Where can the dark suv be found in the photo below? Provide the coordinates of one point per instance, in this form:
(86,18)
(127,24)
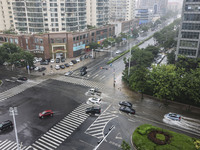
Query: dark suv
(93,110)
(6,125)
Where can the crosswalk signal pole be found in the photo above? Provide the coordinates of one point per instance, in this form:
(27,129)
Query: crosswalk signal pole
(13,112)
(101,141)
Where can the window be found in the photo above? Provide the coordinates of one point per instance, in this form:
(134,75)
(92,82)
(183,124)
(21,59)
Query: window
(190,35)
(16,41)
(92,33)
(77,38)
(191,26)
(26,41)
(74,39)
(187,52)
(188,43)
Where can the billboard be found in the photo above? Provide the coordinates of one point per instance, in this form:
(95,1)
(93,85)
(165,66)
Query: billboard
(76,48)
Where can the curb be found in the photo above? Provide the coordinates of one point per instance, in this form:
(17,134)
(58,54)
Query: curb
(133,143)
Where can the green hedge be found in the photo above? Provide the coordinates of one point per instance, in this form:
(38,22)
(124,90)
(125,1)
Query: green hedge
(125,52)
(178,141)
(0,82)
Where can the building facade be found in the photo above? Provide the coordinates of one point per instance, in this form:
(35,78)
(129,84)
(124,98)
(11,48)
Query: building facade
(33,16)
(144,15)
(56,45)
(6,15)
(189,33)
(97,12)
(121,10)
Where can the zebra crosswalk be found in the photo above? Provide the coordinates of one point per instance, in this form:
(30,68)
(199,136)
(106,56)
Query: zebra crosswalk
(18,89)
(62,130)
(10,145)
(83,82)
(96,129)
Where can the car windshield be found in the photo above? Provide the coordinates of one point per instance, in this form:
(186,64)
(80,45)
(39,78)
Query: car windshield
(43,112)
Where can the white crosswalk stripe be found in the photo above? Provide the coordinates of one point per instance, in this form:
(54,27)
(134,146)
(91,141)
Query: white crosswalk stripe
(96,129)
(18,89)
(10,145)
(62,130)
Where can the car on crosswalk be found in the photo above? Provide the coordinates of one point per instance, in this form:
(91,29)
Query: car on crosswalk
(95,100)
(93,110)
(46,113)
(22,79)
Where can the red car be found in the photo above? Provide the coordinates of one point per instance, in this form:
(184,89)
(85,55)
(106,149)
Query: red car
(46,113)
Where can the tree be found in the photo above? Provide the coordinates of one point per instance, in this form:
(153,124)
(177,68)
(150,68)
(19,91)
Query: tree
(153,49)
(118,40)
(11,48)
(135,33)
(171,57)
(125,145)
(94,45)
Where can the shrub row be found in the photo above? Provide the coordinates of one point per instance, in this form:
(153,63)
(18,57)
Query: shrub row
(125,52)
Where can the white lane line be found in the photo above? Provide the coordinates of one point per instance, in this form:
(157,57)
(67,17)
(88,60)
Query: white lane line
(103,120)
(97,134)
(75,120)
(50,134)
(96,124)
(95,76)
(34,145)
(7,145)
(13,146)
(70,123)
(102,77)
(63,134)
(111,116)
(43,145)
(48,140)
(92,128)
(64,128)
(47,143)
(64,137)
(95,131)
(52,138)
(67,126)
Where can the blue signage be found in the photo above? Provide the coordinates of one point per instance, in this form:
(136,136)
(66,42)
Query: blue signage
(76,48)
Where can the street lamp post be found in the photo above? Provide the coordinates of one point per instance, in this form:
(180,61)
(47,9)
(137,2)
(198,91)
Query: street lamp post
(129,64)
(13,112)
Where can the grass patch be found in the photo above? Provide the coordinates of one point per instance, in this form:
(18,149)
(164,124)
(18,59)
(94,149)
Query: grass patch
(0,82)
(177,142)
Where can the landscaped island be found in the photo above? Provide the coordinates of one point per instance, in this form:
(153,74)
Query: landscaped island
(148,137)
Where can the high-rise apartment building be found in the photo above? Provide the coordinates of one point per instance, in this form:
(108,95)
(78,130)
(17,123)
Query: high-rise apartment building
(189,39)
(6,15)
(32,16)
(122,10)
(97,12)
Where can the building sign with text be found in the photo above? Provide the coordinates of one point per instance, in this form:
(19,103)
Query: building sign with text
(76,48)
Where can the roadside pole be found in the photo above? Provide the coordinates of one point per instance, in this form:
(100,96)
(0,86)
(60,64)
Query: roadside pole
(101,141)
(129,63)
(13,112)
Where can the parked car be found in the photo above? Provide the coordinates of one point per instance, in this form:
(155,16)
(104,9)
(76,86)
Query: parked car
(57,60)
(57,67)
(22,79)
(78,59)
(41,69)
(6,125)
(127,109)
(173,116)
(62,66)
(93,110)
(74,61)
(66,65)
(68,73)
(70,63)
(84,68)
(37,68)
(125,103)
(52,61)
(62,60)
(44,62)
(46,113)
(94,91)
(83,73)
(94,100)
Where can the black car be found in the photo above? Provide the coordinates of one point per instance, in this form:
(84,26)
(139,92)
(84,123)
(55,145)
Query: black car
(66,65)
(127,109)
(93,110)
(125,103)
(57,60)
(83,73)
(6,125)
(83,69)
(62,66)
(74,61)
(22,79)
(62,60)
(41,69)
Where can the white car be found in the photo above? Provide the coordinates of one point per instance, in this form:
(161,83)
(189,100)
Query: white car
(77,59)
(37,68)
(68,73)
(94,100)
(57,67)
(52,61)
(70,63)
(118,52)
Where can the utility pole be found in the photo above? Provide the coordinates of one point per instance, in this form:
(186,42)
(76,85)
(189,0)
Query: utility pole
(129,63)
(114,76)
(101,141)
(13,112)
